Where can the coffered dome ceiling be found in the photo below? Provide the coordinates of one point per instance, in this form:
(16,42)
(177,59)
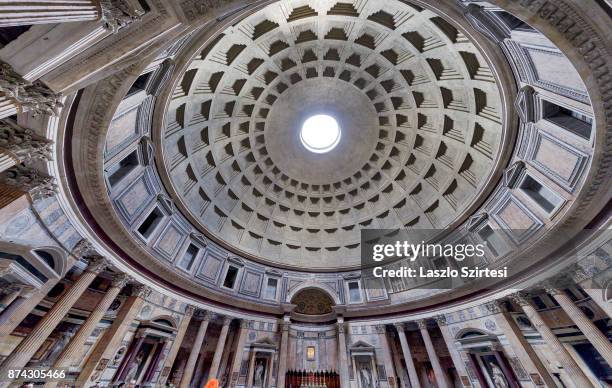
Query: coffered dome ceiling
(418,108)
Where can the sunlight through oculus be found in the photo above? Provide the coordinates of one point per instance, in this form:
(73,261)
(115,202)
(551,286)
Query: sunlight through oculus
(320,133)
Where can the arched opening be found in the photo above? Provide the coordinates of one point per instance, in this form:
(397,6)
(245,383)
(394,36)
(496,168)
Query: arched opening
(313,301)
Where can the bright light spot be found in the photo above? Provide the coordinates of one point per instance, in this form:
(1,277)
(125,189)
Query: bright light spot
(320,134)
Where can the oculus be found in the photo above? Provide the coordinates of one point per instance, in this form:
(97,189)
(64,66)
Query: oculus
(320,133)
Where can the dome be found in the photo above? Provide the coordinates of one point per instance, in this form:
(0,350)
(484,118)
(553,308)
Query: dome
(420,112)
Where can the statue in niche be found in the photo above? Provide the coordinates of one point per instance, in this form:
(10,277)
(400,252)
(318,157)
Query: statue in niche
(259,374)
(132,370)
(498,377)
(366,378)
(59,345)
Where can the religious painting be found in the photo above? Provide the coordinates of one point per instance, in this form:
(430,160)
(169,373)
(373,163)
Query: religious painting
(310,353)
(260,372)
(495,372)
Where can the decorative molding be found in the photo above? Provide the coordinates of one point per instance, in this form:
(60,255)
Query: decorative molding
(513,173)
(120,280)
(24,143)
(117,14)
(28,96)
(39,185)
(141,291)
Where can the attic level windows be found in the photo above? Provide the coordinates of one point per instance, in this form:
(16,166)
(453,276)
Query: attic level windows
(540,194)
(230,277)
(271,287)
(123,168)
(140,84)
(354,292)
(512,22)
(494,241)
(150,223)
(189,257)
(568,119)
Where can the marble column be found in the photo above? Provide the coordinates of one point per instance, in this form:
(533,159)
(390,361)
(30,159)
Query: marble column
(195,351)
(71,355)
(242,337)
(216,362)
(251,373)
(284,350)
(110,341)
(452,349)
(26,12)
(342,354)
(21,307)
(519,344)
(381,330)
(588,328)
(26,348)
(441,377)
(569,365)
(410,367)
(176,345)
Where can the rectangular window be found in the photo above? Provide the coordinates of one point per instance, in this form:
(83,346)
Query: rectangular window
(540,194)
(148,226)
(513,22)
(271,287)
(189,257)
(570,120)
(140,84)
(230,277)
(354,292)
(123,168)
(493,240)
(310,353)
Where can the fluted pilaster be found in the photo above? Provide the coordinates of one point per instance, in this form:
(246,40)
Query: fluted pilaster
(570,366)
(342,354)
(216,362)
(26,348)
(195,351)
(71,355)
(588,328)
(441,377)
(284,349)
(412,373)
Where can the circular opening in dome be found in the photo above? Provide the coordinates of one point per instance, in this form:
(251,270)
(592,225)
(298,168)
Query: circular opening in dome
(320,133)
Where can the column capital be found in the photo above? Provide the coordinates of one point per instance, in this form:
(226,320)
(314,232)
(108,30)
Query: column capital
(83,248)
(285,326)
(23,143)
(422,323)
(440,319)
(552,290)
(227,320)
(96,264)
(521,298)
(141,291)
(400,326)
(494,306)
(246,323)
(27,291)
(39,185)
(341,327)
(205,315)
(26,95)
(189,310)
(117,14)
(120,280)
